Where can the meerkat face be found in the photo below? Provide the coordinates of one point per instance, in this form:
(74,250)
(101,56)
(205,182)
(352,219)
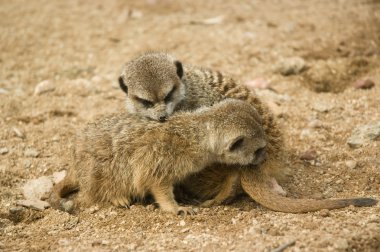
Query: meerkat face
(237,135)
(243,147)
(153,84)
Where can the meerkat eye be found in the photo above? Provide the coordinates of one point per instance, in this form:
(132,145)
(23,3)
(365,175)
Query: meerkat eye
(169,95)
(146,103)
(237,144)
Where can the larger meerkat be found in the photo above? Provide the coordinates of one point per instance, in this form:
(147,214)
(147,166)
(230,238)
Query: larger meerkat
(157,85)
(121,158)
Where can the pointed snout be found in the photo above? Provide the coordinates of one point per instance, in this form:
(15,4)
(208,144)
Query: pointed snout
(160,112)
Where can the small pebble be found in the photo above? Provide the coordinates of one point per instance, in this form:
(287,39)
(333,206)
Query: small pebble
(257,83)
(308,155)
(105,242)
(96,79)
(44,87)
(27,164)
(182,223)
(93,209)
(323,106)
(291,66)
(132,246)
(341,244)
(63,242)
(364,84)
(363,134)
(67,205)
(31,152)
(305,133)
(3,91)
(18,132)
(185,230)
(315,124)
(351,164)
(324,213)
(4,150)
(34,204)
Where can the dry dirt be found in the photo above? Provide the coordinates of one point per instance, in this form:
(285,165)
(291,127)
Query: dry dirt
(79,47)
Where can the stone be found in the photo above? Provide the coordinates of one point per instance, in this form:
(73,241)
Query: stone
(291,66)
(257,83)
(322,106)
(182,223)
(363,84)
(308,155)
(4,150)
(27,163)
(364,134)
(351,164)
(324,213)
(18,132)
(306,133)
(58,176)
(33,204)
(67,205)
(63,242)
(209,21)
(315,124)
(37,188)
(3,91)
(96,79)
(341,244)
(31,152)
(44,87)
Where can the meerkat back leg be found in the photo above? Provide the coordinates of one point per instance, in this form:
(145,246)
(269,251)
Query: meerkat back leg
(164,196)
(226,191)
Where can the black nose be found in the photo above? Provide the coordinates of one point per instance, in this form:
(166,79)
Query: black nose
(260,152)
(163,118)
(260,155)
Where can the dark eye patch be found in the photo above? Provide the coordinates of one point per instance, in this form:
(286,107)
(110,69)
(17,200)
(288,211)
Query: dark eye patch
(169,96)
(237,144)
(145,103)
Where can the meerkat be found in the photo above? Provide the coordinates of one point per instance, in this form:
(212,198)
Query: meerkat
(122,158)
(157,85)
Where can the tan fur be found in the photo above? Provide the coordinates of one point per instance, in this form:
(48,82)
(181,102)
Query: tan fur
(122,158)
(152,75)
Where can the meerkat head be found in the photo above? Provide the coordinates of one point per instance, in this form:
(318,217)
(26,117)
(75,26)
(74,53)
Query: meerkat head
(236,134)
(153,84)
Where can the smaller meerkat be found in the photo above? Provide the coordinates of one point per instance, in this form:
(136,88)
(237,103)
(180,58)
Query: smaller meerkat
(122,158)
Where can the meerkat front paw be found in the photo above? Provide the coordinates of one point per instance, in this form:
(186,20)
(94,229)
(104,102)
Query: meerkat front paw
(209,203)
(277,188)
(121,202)
(185,211)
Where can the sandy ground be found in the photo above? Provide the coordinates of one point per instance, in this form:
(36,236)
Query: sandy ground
(78,47)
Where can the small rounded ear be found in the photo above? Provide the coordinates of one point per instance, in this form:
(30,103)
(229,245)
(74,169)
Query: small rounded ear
(179,67)
(122,85)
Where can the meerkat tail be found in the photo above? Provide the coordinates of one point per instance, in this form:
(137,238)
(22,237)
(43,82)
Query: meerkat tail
(258,187)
